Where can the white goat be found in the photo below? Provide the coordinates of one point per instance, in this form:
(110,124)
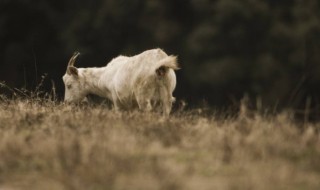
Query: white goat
(145,81)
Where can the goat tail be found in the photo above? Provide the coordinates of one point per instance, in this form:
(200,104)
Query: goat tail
(165,64)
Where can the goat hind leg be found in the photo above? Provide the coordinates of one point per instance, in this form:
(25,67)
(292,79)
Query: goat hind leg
(166,101)
(145,105)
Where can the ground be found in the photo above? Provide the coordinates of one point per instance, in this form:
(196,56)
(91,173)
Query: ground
(46,144)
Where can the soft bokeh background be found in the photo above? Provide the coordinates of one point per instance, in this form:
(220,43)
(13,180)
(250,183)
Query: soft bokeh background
(268,49)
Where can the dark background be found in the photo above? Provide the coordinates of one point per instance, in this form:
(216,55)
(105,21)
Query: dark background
(268,49)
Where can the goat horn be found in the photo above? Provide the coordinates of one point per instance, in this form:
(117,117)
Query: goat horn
(73,58)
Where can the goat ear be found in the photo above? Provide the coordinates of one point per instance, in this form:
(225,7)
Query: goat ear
(72,71)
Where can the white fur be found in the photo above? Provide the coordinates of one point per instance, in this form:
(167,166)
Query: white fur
(129,82)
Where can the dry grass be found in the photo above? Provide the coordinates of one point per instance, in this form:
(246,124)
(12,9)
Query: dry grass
(49,145)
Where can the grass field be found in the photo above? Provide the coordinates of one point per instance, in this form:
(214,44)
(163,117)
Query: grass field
(48,145)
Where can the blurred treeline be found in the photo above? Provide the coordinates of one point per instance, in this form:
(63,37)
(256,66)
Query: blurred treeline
(268,49)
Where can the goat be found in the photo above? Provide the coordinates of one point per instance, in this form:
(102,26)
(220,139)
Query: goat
(145,81)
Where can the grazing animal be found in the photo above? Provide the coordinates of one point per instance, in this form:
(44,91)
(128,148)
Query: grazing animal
(145,81)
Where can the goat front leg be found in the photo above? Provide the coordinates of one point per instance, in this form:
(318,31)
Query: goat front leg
(116,103)
(116,107)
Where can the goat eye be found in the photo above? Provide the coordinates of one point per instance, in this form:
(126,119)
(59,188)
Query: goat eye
(69,86)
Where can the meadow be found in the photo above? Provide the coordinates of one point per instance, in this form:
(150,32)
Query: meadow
(46,144)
